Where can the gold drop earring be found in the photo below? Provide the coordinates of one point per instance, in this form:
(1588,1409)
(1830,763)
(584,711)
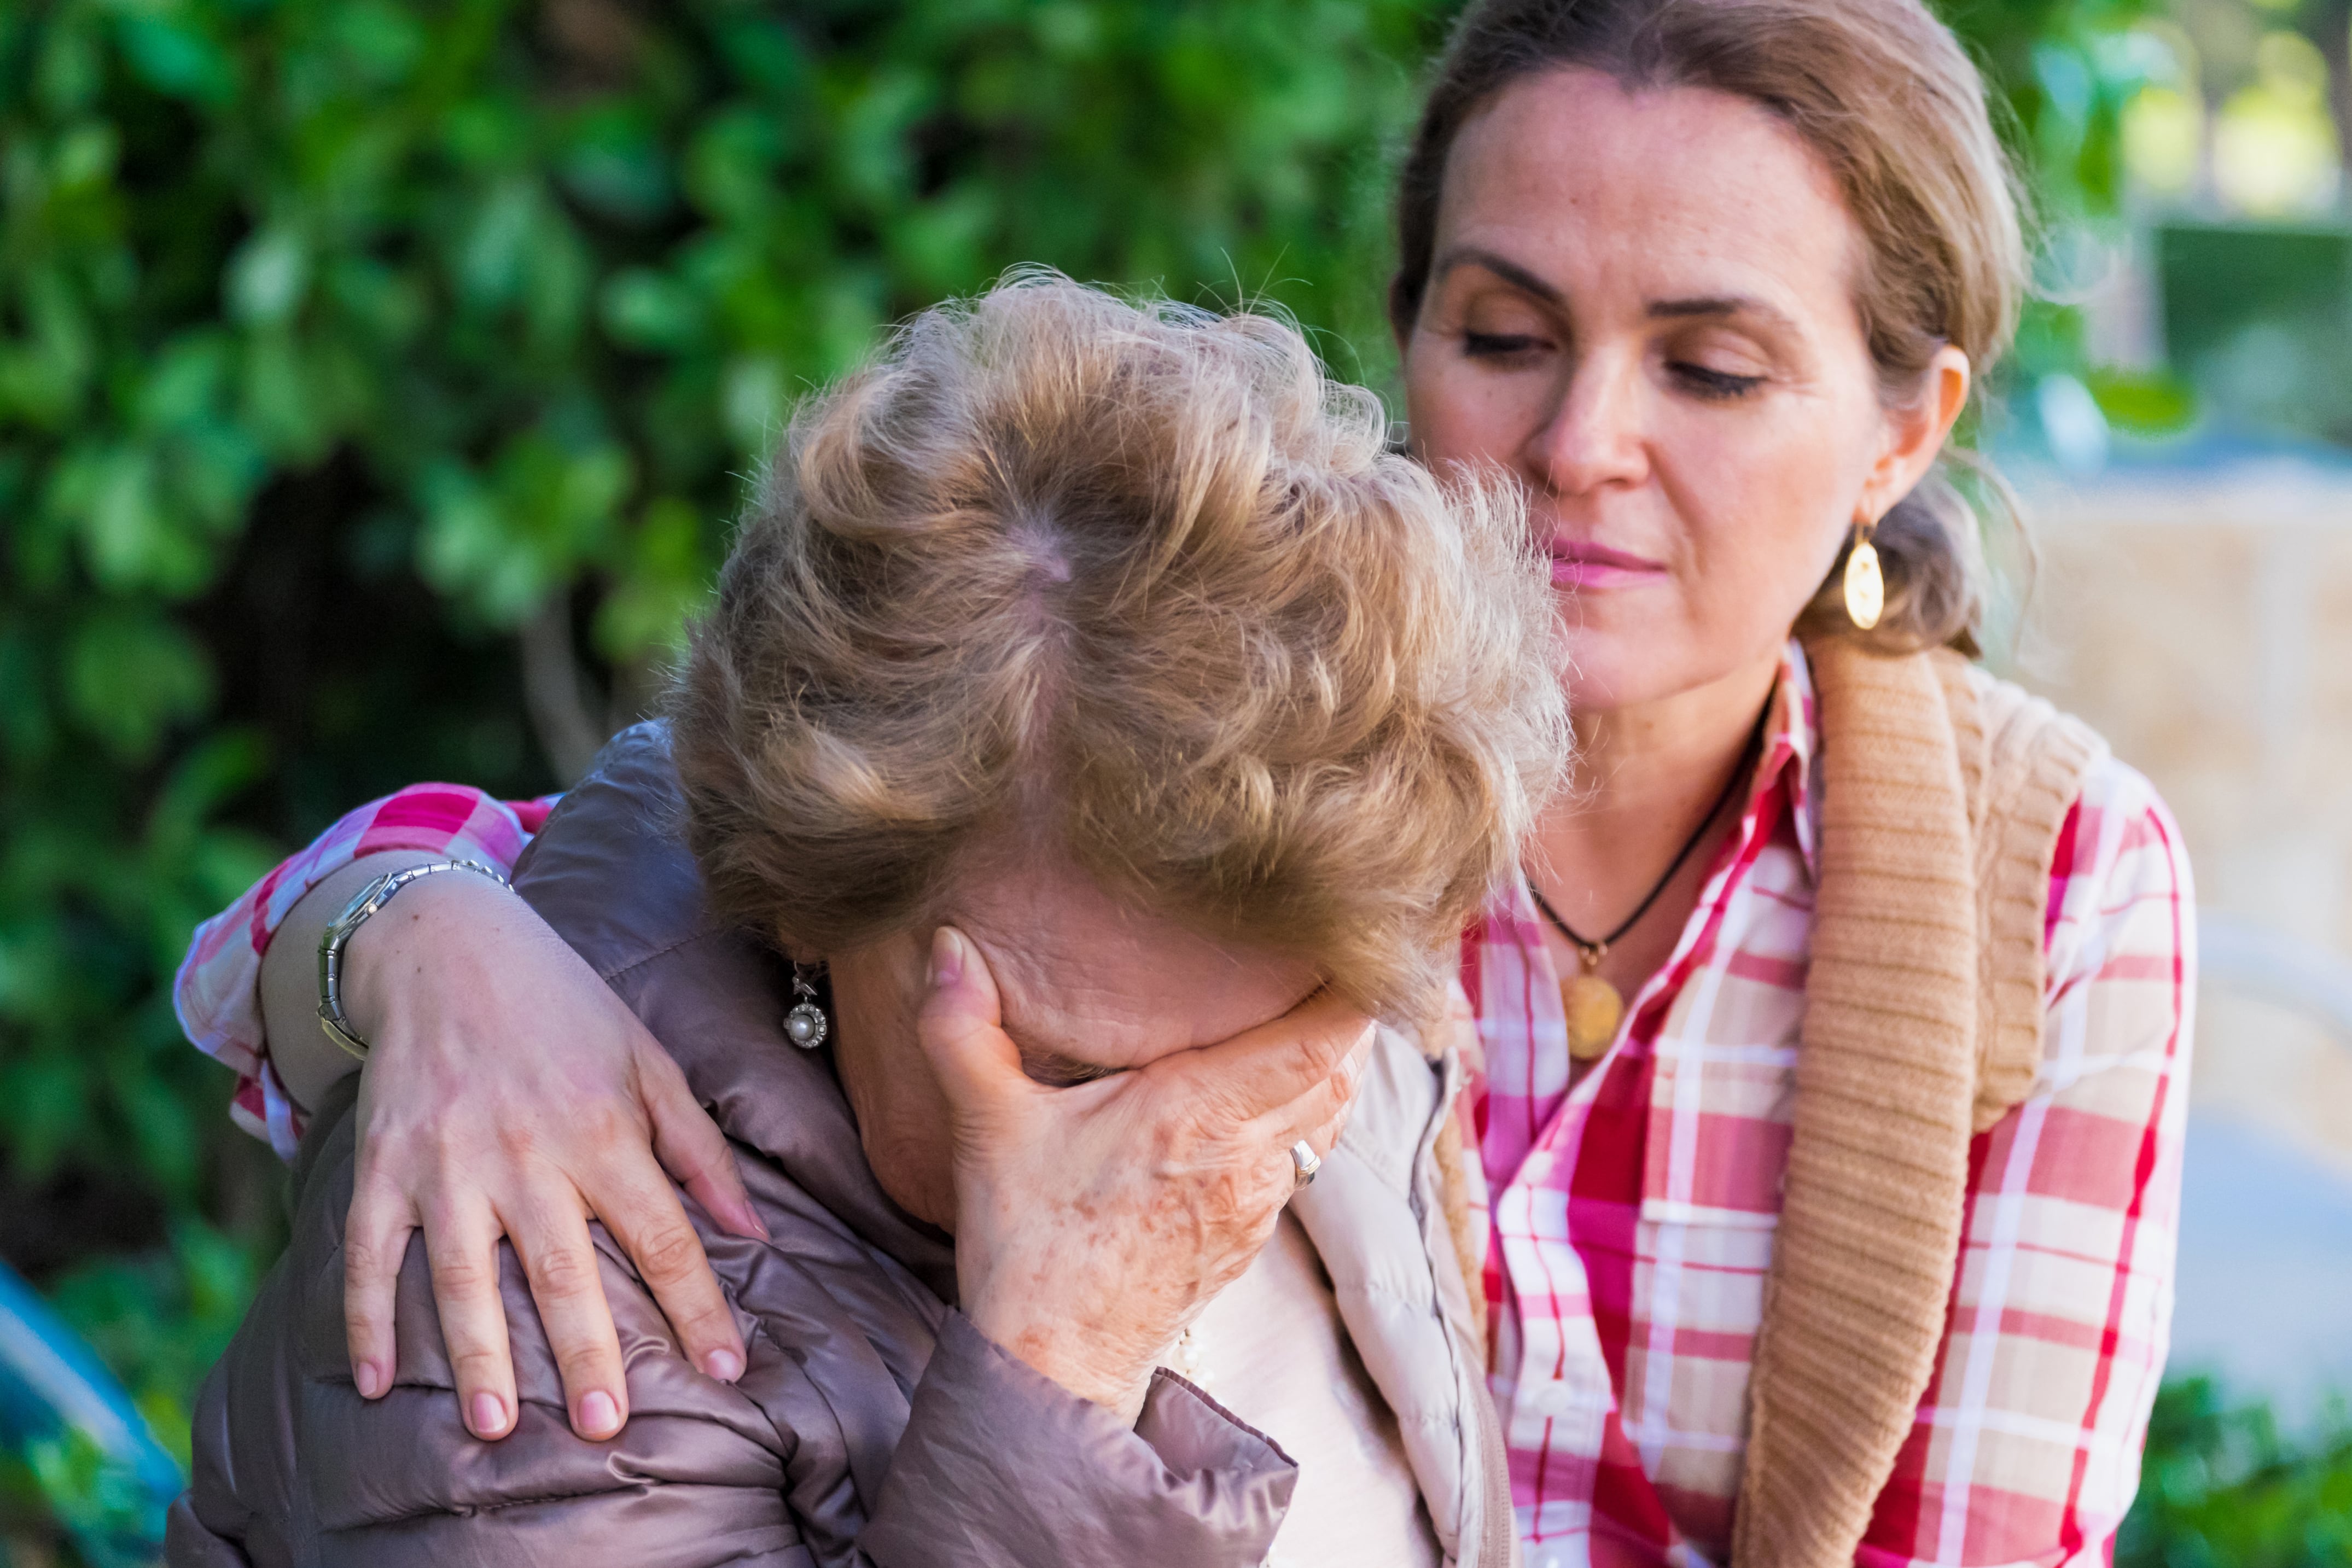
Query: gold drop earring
(1865,583)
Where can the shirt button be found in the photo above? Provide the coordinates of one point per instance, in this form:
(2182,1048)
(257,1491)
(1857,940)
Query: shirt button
(1555,1398)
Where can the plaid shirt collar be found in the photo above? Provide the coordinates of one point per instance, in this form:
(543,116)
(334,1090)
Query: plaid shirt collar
(1791,739)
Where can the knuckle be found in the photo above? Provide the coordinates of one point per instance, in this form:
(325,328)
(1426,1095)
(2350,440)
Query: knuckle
(606,1122)
(395,1143)
(366,1260)
(464,1276)
(1327,1049)
(585,1364)
(477,1366)
(670,1254)
(708,1323)
(656,1070)
(1350,1072)
(1226,1203)
(517,1139)
(445,1213)
(382,1172)
(564,1271)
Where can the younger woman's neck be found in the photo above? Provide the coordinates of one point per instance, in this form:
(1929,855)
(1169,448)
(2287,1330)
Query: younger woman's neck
(1663,759)
(1623,853)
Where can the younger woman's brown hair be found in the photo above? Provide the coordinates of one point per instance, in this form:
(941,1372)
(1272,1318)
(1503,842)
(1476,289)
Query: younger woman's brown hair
(1886,96)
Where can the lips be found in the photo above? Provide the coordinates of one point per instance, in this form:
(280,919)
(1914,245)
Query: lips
(1579,563)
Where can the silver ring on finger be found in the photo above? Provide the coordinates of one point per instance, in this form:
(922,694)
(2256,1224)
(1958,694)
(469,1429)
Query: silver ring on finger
(1304,1163)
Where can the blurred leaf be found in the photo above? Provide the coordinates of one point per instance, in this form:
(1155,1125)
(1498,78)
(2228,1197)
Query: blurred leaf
(44,1110)
(2221,1487)
(616,168)
(172,51)
(667,570)
(643,309)
(2143,404)
(266,278)
(128,677)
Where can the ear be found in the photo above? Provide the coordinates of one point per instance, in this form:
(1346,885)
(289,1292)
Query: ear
(1915,433)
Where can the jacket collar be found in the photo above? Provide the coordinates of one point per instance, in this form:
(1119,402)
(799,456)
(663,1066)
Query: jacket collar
(611,873)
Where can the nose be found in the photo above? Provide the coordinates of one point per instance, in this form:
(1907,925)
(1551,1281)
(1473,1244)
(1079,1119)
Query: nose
(1597,434)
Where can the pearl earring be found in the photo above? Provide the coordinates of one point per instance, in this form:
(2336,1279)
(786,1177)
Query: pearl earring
(805,1026)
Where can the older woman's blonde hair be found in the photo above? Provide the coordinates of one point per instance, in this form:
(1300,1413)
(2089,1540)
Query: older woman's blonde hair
(1139,586)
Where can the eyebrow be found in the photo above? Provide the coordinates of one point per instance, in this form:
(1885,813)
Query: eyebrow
(1717,305)
(1526,282)
(1509,271)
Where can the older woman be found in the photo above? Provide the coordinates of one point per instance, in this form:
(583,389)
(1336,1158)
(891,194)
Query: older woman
(1835,1039)
(1106,729)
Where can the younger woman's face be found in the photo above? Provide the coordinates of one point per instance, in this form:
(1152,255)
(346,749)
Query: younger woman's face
(1642,305)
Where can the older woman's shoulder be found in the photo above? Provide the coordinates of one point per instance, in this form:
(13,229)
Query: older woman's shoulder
(292,1465)
(610,869)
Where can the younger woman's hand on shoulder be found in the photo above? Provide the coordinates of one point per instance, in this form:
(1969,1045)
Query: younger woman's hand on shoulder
(509,1092)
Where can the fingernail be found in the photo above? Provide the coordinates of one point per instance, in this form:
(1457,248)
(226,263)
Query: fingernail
(370,1379)
(946,957)
(722,1364)
(489,1415)
(599,1417)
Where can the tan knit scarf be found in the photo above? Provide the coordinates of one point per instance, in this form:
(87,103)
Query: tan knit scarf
(1943,792)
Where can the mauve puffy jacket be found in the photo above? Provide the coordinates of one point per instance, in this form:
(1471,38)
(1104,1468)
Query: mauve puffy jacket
(874,1425)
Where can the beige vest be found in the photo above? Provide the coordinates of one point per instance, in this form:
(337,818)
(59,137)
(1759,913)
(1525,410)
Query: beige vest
(1943,791)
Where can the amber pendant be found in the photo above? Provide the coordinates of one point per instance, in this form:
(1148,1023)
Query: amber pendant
(1865,585)
(1594,1010)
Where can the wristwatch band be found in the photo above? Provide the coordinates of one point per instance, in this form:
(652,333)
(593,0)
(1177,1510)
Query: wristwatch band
(369,899)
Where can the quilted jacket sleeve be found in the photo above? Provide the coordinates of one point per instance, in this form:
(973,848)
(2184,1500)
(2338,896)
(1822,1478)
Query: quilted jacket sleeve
(872,1427)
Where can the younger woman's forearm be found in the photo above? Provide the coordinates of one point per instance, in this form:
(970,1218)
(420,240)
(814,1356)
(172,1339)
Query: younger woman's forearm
(308,1062)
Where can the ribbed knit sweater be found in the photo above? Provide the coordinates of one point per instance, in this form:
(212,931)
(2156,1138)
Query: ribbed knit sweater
(1943,793)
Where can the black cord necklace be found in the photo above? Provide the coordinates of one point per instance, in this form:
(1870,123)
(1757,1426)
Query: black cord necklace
(1594,1006)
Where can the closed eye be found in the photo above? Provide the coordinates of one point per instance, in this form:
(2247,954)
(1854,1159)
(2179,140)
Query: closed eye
(1717,385)
(1497,345)
(1055,1070)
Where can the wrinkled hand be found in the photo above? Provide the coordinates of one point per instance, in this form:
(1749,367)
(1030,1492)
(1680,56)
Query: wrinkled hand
(1094,1222)
(509,1093)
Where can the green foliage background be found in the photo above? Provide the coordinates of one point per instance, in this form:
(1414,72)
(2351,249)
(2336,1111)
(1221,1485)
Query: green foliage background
(367,365)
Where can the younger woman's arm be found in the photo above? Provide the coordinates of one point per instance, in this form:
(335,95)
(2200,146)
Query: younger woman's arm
(507,1094)
(217,993)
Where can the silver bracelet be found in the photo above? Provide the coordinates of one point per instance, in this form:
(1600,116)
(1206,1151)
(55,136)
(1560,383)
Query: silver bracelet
(370,899)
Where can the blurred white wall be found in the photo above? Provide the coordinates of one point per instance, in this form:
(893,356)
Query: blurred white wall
(2198,611)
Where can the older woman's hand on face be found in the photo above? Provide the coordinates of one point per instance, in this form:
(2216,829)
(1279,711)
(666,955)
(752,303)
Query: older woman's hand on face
(1093,1221)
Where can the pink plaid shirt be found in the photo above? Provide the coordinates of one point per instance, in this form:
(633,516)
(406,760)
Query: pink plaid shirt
(1631,1221)
(218,991)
